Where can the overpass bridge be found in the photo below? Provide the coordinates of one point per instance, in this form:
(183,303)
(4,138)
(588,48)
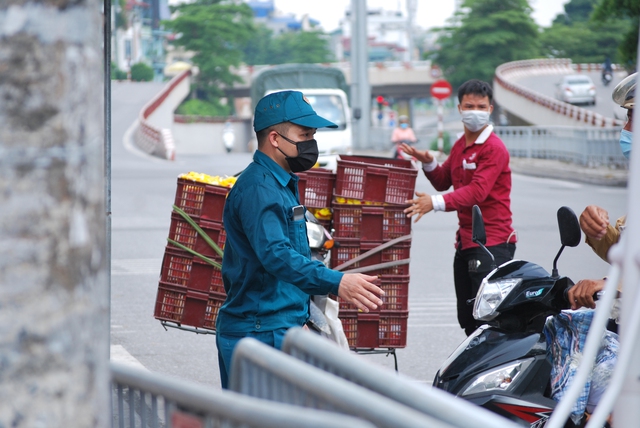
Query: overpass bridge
(525,89)
(396,79)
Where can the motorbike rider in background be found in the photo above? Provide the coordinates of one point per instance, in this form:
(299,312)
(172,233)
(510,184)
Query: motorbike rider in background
(402,134)
(607,71)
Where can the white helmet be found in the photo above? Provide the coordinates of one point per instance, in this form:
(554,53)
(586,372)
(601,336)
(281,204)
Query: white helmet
(624,94)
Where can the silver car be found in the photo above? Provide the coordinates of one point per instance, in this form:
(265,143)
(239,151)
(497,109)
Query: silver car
(576,89)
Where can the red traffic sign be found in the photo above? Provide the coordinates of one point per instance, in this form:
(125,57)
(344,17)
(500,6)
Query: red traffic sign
(441,89)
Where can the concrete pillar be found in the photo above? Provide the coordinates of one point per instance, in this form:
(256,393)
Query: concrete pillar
(54,306)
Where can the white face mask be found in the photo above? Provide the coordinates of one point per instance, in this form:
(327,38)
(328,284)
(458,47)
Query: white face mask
(475,120)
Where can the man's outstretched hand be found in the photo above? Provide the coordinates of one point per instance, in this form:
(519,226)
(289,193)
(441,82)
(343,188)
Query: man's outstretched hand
(424,157)
(359,290)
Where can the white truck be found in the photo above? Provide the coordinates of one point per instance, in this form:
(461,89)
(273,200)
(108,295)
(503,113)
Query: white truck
(326,89)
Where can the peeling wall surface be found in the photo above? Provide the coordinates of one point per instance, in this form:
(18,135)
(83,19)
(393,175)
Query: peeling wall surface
(54,303)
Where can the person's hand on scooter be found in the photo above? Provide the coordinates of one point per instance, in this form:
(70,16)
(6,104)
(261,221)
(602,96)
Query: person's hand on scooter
(594,222)
(424,157)
(582,293)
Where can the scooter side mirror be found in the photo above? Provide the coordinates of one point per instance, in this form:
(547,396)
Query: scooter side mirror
(479,235)
(569,227)
(570,233)
(478,232)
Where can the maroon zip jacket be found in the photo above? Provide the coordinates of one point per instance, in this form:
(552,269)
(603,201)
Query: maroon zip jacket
(480,175)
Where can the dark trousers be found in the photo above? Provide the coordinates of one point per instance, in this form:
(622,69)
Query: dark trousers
(470,266)
(227,343)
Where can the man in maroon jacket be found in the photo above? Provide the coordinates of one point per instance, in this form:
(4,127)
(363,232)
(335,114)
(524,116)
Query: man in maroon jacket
(478,169)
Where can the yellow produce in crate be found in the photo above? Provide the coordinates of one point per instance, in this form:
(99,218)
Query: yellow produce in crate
(322,213)
(348,201)
(209,179)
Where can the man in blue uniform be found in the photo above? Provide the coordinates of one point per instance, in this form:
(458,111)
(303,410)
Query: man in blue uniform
(267,270)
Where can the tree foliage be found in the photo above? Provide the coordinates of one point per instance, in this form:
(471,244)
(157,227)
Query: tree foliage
(216,30)
(196,107)
(616,10)
(300,47)
(489,33)
(141,72)
(573,35)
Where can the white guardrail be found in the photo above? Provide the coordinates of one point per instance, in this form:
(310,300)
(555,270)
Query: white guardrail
(150,138)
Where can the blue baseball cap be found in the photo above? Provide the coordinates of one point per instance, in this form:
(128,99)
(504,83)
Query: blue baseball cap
(287,106)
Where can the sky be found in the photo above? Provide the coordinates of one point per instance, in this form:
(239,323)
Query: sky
(430,13)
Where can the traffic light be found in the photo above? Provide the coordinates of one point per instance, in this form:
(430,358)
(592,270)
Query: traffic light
(380,100)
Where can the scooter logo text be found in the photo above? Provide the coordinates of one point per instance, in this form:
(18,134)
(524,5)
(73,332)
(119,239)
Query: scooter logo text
(530,294)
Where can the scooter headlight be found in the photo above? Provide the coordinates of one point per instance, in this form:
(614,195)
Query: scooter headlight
(501,379)
(490,295)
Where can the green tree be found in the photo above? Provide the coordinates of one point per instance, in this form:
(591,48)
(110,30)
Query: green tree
(616,10)
(259,48)
(306,47)
(576,11)
(489,33)
(116,73)
(141,72)
(583,42)
(216,30)
(574,35)
(196,107)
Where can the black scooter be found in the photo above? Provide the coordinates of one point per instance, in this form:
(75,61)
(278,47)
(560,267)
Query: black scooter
(503,365)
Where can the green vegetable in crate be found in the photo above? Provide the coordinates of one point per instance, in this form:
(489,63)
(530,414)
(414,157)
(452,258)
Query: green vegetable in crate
(204,236)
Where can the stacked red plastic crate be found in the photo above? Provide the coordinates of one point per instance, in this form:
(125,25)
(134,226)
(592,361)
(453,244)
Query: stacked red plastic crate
(315,189)
(190,290)
(368,210)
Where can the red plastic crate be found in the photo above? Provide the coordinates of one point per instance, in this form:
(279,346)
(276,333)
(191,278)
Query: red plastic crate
(182,232)
(386,329)
(370,222)
(180,305)
(316,187)
(201,200)
(216,286)
(350,248)
(187,307)
(396,294)
(375,179)
(211,313)
(182,269)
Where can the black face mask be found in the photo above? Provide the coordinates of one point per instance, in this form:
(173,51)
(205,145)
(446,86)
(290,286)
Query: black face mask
(307,155)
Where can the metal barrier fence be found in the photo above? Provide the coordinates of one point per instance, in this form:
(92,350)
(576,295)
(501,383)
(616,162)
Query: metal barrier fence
(321,353)
(583,146)
(588,146)
(261,371)
(144,399)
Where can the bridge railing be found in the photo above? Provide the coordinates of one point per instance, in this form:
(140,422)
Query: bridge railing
(584,146)
(151,139)
(506,73)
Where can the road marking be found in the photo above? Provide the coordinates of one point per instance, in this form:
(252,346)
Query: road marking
(120,355)
(136,267)
(433,325)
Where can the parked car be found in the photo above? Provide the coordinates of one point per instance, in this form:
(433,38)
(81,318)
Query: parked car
(576,89)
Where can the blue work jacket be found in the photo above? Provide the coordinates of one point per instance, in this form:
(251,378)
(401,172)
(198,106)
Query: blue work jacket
(267,270)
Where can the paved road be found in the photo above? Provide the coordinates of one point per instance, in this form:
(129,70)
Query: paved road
(143,190)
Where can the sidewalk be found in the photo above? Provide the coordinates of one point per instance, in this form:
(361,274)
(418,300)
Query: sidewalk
(546,168)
